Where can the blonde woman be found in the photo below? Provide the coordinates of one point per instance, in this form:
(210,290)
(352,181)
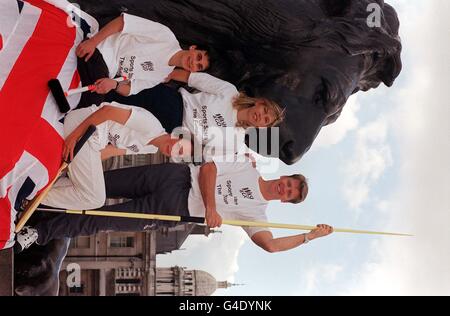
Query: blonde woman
(215,105)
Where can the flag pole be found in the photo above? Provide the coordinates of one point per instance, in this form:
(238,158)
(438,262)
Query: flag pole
(202,220)
(40,197)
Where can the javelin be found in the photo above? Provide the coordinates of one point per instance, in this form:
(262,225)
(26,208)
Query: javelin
(202,220)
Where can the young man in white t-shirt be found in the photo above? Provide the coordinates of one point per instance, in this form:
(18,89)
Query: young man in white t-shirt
(144,51)
(121,129)
(215,190)
(237,191)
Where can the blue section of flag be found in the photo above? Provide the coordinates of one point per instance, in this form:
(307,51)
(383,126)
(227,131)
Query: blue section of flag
(85,27)
(20,5)
(26,189)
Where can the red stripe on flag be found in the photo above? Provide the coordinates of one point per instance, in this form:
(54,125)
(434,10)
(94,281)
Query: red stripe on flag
(24,93)
(46,146)
(5,219)
(43,5)
(75,80)
(1,41)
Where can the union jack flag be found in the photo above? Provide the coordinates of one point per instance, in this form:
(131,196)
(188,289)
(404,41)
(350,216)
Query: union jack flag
(38,39)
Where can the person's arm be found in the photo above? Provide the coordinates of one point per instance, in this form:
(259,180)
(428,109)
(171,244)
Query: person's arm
(207,183)
(135,86)
(111,151)
(105,85)
(87,48)
(265,240)
(178,74)
(203,82)
(124,88)
(106,113)
(206,83)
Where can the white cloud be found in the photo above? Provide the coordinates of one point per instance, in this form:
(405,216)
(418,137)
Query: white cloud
(216,254)
(421,203)
(336,132)
(318,275)
(371,157)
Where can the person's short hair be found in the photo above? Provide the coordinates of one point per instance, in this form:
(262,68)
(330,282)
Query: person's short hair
(209,53)
(243,101)
(303,188)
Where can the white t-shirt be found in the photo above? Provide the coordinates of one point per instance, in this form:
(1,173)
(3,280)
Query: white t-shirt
(140,128)
(141,52)
(209,114)
(238,196)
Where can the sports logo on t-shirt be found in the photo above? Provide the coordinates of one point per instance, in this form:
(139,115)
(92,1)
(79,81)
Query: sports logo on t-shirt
(133,148)
(147,66)
(113,139)
(247,193)
(220,121)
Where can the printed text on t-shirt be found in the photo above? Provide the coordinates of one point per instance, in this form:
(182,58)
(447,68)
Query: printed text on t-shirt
(126,66)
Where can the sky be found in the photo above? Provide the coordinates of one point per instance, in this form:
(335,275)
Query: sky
(382,166)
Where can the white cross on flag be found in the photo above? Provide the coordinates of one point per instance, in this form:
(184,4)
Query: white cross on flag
(37,43)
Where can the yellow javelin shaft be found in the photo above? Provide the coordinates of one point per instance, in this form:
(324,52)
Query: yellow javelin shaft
(227,222)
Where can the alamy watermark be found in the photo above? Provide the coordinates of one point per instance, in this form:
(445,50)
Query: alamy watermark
(374,18)
(73,275)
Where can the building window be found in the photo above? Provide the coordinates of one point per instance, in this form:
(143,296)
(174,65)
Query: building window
(128,281)
(168,281)
(128,294)
(121,242)
(82,242)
